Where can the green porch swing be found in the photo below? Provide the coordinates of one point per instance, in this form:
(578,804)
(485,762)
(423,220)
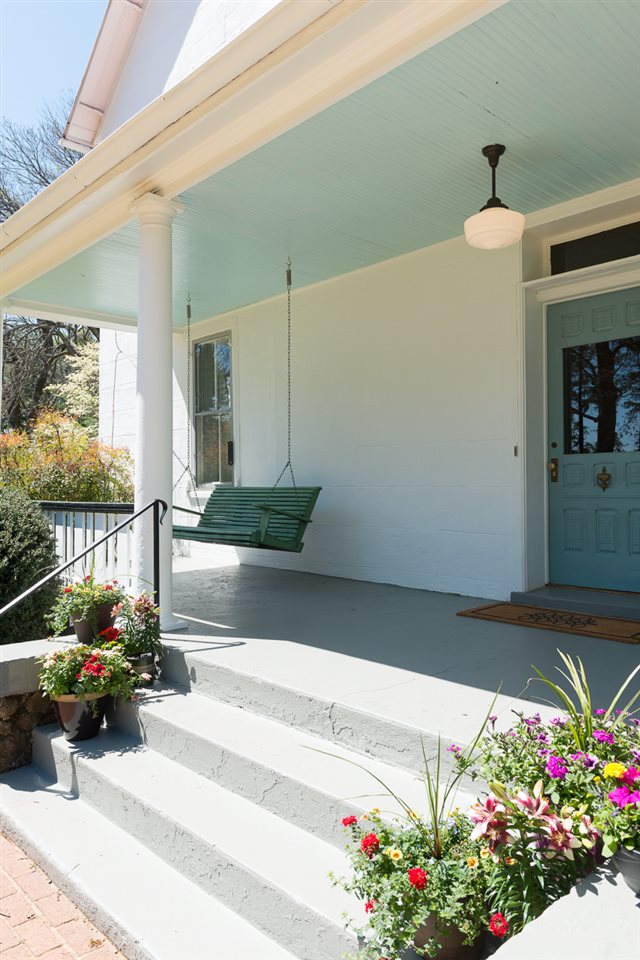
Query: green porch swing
(269,518)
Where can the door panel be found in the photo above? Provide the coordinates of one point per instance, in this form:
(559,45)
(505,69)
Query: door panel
(594,441)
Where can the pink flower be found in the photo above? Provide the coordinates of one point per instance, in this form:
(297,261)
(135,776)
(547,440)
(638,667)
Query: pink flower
(560,839)
(621,796)
(490,820)
(634,797)
(369,906)
(588,831)
(556,768)
(535,806)
(631,775)
(603,736)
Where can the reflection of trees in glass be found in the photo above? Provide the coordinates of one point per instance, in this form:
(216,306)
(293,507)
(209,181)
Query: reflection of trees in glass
(603,394)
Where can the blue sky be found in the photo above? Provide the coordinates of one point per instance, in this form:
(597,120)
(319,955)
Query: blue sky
(44,48)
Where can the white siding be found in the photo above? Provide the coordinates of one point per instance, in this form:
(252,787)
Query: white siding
(406,409)
(174,38)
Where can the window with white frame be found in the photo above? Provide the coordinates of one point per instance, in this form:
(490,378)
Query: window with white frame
(213,410)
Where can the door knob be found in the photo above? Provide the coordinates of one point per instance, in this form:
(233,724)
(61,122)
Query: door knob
(552,467)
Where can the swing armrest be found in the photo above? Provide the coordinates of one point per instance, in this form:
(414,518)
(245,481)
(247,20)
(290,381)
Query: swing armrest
(196,513)
(285,513)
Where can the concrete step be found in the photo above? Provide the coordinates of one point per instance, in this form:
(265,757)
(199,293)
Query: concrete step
(277,766)
(269,871)
(369,708)
(148,909)
(602,603)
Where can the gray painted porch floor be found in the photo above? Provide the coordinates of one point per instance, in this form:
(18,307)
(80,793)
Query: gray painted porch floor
(281,621)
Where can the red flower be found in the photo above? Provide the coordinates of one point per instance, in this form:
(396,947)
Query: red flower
(78,676)
(349,821)
(87,578)
(110,634)
(68,589)
(417,878)
(498,925)
(369,906)
(108,586)
(369,845)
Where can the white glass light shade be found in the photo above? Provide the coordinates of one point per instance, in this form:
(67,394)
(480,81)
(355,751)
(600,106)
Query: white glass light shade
(493,228)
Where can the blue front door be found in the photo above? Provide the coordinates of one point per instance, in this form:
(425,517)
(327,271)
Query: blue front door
(594,441)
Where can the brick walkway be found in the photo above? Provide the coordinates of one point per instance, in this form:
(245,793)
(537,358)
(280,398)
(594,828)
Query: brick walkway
(37,920)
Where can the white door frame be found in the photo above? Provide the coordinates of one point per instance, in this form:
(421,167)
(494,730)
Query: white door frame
(536,296)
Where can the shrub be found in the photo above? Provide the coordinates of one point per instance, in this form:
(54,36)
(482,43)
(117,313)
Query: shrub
(27,552)
(57,460)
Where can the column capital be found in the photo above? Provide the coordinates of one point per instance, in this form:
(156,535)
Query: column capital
(152,208)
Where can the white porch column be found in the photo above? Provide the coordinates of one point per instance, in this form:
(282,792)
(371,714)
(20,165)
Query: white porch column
(154,392)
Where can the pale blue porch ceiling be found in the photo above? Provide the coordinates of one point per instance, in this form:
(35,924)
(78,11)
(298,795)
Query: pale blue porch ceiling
(397,165)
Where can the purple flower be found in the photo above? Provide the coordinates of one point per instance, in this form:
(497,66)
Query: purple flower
(543,738)
(556,768)
(576,757)
(544,752)
(558,721)
(533,721)
(600,712)
(590,761)
(454,749)
(492,719)
(603,736)
(634,797)
(636,755)
(634,720)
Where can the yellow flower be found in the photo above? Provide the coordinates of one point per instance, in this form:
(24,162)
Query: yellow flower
(614,770)
(509,861)
(472,862)
(375,810)
(394,854)
(485,852)
(597,779)
(412,814)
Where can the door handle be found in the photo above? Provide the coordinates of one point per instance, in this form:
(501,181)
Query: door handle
(552,467)
(230,453)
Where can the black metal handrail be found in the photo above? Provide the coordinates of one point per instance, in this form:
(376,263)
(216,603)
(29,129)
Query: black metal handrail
(61,506)
(157,520)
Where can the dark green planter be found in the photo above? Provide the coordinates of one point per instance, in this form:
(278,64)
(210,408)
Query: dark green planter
(144,663)
(87,630)
(628,863)
(80,719)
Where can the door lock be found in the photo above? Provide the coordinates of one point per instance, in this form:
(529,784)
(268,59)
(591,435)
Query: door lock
(552,467)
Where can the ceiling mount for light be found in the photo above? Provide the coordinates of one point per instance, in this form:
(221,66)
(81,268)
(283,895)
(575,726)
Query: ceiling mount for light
(495,226)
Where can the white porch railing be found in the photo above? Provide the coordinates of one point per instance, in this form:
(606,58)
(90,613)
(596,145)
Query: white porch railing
(77,525)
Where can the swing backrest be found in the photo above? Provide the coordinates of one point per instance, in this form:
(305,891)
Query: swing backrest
(258,507)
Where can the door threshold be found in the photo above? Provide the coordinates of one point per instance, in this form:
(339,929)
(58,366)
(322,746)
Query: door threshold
(603,603)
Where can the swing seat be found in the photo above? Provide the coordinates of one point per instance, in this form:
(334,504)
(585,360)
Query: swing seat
(271,519)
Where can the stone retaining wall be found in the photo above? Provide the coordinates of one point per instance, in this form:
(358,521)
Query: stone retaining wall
(19,714)
(22,706)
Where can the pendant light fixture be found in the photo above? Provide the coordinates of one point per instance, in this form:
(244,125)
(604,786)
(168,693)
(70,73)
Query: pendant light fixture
(495,226)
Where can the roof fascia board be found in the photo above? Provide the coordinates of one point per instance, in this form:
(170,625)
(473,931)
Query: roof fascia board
(115,36)
(191,133)
(17,306)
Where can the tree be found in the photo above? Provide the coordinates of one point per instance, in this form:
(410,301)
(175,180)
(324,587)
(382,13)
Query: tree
(78,395)
(37,352)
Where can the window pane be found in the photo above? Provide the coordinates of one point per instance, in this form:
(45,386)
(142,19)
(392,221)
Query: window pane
(207,449)
(205,392)
(226,435)
(602,396)
(223,369)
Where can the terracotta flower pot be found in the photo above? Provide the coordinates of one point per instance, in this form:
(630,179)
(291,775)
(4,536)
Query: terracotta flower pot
(80,719)
(88,630)
(144,663)
(628,863)
(451,939)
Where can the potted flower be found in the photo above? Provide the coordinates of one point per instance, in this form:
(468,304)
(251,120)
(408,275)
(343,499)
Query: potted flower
(619,819)
(88,605)
(137,633)
(79,680)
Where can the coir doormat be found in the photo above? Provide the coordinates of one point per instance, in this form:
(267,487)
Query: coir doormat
(562,621)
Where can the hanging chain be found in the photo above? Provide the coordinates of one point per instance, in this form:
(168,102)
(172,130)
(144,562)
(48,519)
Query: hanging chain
(288,465)
(187,468)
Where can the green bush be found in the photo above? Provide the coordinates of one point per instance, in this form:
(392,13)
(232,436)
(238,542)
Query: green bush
(56,459)
(27,553)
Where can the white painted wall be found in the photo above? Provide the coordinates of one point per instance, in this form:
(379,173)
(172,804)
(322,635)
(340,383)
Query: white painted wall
(407,386)
(174,38)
